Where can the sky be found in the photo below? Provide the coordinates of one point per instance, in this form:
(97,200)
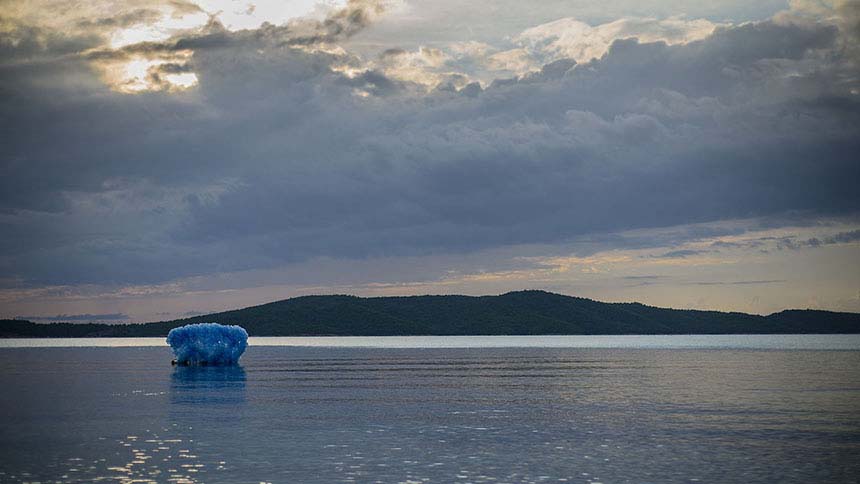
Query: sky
(168,158)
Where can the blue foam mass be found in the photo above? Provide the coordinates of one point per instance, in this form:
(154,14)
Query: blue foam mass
(207,344)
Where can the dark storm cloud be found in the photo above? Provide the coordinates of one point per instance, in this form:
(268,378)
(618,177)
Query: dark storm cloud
(840,238)
(790,242)
(20,42)
(341,24)
(681,253)
(275,157)
(138,16)
(843,237)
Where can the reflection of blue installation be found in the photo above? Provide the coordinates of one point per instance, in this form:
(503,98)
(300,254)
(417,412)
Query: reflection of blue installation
(207,385)
(207,344)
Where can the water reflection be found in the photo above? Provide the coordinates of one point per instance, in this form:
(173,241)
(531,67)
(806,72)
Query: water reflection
(207,385)
(156,458)
(517,415)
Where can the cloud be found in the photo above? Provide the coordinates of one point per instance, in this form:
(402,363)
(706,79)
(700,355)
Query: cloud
(843,237)
(741,283)
(681,253)
(131,47)
(793,243)
(427,66)
(516,61)
(566,39)
(569,38)
(289,149)
(78,317)
(125,19)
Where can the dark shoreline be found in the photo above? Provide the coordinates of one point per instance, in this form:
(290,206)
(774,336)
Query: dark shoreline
(520,313)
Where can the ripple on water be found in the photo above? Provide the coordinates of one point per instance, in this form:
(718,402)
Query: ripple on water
(153,459)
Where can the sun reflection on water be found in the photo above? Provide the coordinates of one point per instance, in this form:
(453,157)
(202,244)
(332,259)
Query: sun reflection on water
(150,459)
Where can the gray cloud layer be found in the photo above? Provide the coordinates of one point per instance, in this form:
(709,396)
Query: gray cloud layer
(79,317)
(280,155)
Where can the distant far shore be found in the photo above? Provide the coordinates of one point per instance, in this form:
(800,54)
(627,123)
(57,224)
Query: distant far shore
(518,313)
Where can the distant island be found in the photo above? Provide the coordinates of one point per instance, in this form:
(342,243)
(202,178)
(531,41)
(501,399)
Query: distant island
(514,313)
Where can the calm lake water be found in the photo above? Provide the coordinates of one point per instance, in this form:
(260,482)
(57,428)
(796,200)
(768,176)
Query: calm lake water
(667,409)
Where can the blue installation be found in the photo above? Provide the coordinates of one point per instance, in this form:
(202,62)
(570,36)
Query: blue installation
(207,344)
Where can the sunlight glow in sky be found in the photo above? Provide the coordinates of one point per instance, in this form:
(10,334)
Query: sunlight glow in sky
(169,22)
(136,74)
(133,76)
(252,14)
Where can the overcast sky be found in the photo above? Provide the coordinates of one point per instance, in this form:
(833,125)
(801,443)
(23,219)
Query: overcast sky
(167,158)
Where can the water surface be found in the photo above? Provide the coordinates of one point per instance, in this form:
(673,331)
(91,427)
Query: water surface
(691,410)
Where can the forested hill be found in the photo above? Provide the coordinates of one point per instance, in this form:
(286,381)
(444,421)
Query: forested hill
(514,313)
